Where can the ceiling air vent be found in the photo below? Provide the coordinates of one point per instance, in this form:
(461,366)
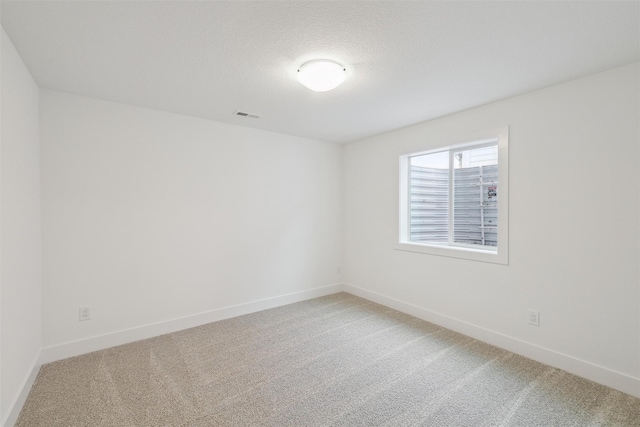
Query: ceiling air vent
(243,114)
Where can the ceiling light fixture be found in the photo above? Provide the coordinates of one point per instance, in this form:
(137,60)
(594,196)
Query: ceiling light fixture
(321,75)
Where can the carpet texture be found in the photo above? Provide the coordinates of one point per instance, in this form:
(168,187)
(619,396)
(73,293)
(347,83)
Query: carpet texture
(338,360)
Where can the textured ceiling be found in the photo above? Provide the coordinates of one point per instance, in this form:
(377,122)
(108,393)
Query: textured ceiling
(406,61)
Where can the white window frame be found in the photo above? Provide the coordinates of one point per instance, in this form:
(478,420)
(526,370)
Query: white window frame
(497,255)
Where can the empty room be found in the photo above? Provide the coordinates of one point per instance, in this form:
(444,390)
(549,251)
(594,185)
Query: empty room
(319,213)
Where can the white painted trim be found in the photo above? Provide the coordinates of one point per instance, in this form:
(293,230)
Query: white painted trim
(582,368)
(16,406)
(100,342)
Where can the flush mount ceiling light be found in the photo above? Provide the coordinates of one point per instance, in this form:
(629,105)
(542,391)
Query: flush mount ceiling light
(321,75)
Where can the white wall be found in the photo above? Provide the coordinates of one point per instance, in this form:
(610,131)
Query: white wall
(574,235)
(20,238)
(151,216)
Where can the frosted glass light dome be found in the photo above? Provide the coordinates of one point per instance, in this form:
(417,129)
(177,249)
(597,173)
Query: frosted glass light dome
(321,75)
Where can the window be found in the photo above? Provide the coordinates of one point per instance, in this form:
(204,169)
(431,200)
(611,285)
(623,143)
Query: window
(454,199)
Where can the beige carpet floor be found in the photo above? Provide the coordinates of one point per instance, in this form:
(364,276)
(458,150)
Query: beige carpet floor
(338,360)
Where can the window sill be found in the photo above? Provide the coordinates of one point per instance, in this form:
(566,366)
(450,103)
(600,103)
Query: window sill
(471,254)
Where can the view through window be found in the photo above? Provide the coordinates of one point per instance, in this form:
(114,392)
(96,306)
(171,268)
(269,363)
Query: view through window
(454,195)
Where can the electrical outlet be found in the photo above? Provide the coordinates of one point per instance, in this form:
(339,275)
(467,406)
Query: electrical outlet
(85,313)
(534,317)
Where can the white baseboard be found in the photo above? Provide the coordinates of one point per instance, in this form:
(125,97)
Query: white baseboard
(16,406)
(582,368)
(76,348)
